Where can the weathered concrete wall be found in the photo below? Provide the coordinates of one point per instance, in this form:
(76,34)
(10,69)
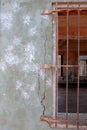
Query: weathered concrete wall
(24,36)
(25,44)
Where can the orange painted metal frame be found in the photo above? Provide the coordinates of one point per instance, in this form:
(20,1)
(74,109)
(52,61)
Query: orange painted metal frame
(78,9)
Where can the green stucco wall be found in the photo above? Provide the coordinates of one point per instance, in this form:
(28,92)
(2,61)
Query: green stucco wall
(25,44)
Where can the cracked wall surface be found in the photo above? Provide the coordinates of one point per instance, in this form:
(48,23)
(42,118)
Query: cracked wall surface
(25,44)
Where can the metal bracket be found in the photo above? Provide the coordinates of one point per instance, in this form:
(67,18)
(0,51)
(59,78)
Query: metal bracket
(48,66)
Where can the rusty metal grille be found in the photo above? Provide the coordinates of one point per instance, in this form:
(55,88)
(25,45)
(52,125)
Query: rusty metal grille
(67,41)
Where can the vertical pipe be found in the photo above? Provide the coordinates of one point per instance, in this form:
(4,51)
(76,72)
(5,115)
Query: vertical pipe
(67,68)
(78,69)
(55,71)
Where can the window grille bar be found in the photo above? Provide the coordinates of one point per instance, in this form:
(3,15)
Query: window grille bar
(57,53)
(78,69)
(70,3)
(67,68)
(55,71)
(60,10)
(67,120)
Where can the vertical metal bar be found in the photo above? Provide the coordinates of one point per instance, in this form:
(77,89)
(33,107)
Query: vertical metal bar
(57,54)
(78,69)
(61,64)
(67,68)
(55,71)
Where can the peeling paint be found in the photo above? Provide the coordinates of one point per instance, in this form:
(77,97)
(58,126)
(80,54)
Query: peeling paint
(9,48)
(6,20)
(17,41)
(11,59)
(33,31)
(15,7)
(30,53)
(49,82)
(33,87)
(42,74)
(30,68)
(26,20)
(18,85)
(45,17)
(25,94)
(3,66)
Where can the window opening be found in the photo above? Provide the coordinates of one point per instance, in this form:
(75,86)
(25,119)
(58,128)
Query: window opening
(69,64)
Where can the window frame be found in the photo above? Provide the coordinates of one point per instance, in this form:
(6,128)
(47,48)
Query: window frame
(58,7)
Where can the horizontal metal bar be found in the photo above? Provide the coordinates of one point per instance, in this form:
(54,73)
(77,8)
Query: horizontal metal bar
(72,37)
(49,66)
(51,120)
(69,3)
(62,9)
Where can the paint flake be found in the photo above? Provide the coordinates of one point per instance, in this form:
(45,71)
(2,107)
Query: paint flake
(16,41)
(49,82)
(6,20)
(30,68)
(45,17)
(18,85)
(11,59)
(9,48)
(42,74)
(33,87)
(32,31)
(30,53)
(25,95)
(26,20)
(3,66)
(15,6)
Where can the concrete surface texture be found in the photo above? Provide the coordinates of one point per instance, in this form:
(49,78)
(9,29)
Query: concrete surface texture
(25,44)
